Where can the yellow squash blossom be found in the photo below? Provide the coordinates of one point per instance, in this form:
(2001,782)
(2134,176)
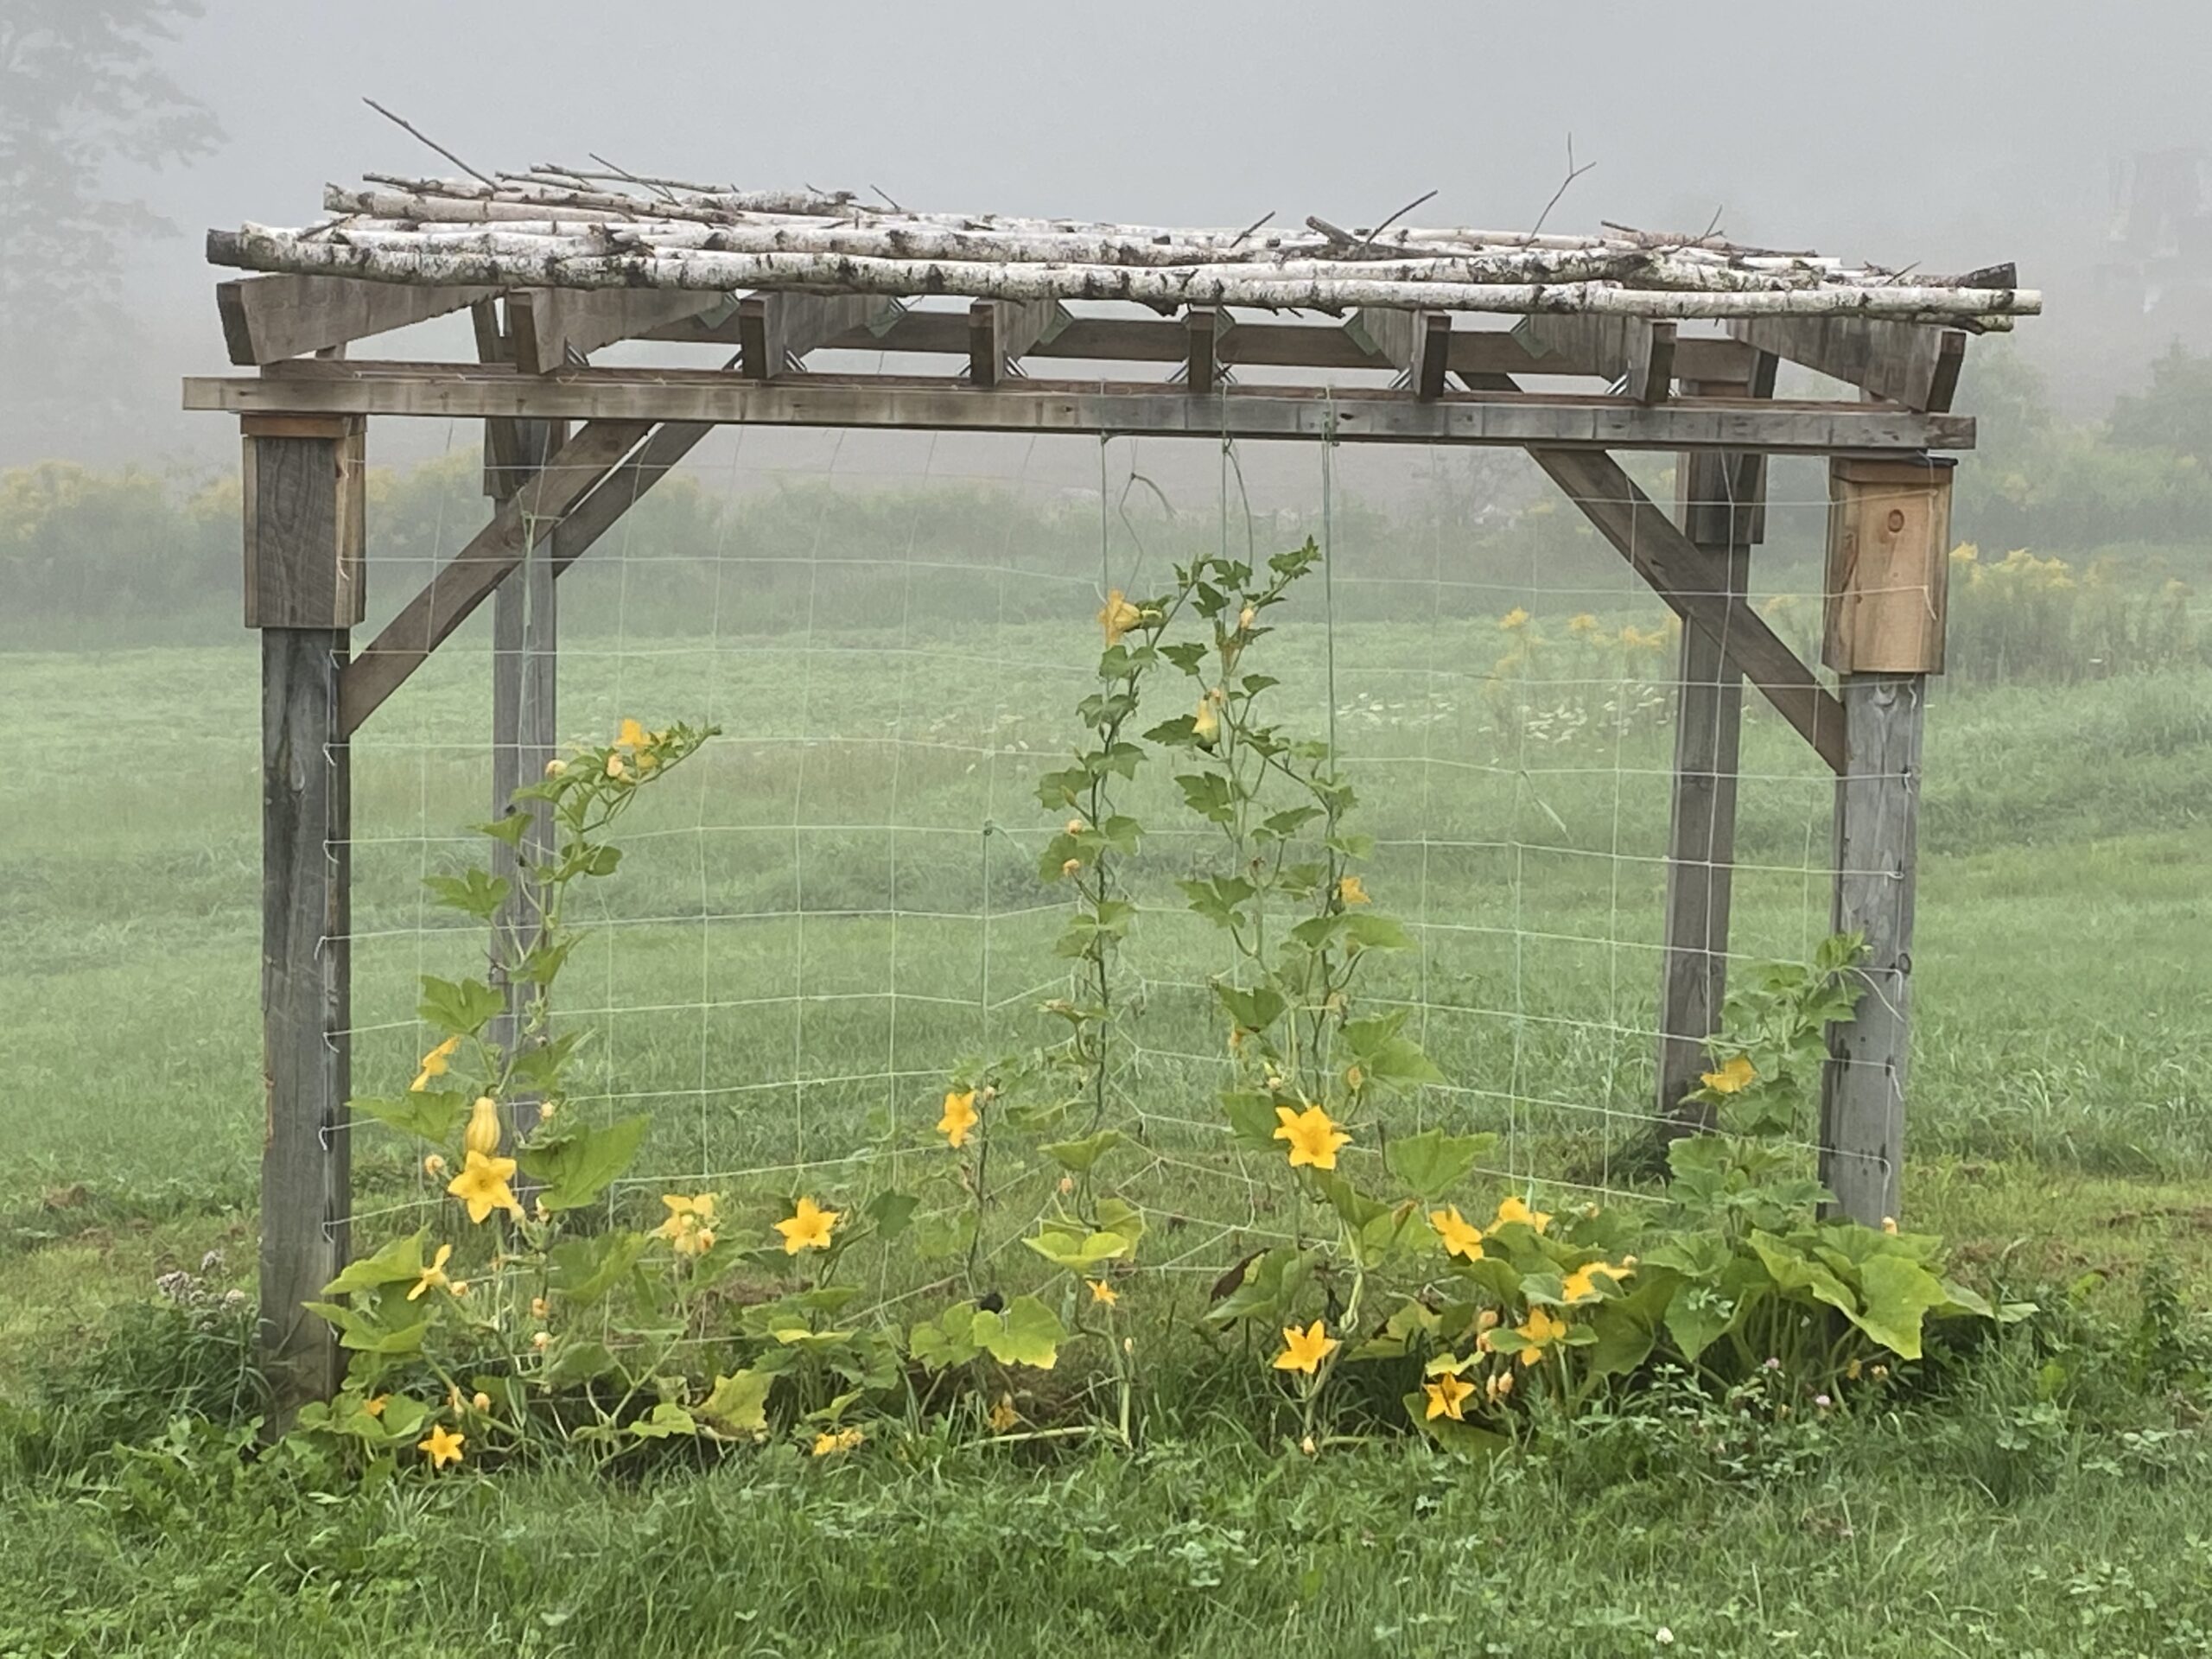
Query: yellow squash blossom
(1304,1351)
(483,1187)
(1737,1076)
(1516,617)
(1582,1283)
(434,1165)
(1352,891)
(1001,1416)
(633,736)
(844,1439)
(1460,1236)
(373,1406)
(434,1064)
(482,1133)
(432,1277)
(442,1446)
(1543,1328)
(615,766)
(1514,1207)
(685,1214)
(1119,616)
(1205,725)
(1448,1397)
(808,1227)
(1498,1387)
(1102,1292)
(960,1117)
(1313,1136)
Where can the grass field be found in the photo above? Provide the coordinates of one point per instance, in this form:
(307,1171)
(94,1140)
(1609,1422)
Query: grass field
(840,899)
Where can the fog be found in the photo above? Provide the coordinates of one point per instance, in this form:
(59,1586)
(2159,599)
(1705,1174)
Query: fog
(1942,135)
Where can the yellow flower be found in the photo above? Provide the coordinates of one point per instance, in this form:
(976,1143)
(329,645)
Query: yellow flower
(960,1117)
(482,1185)
(824,1444)
(374,1407)
(539,1308)
(1516,617)
(555,768)
(1313,1135)
(844,1439)
(1001,1416)
(434,1165)
(1460,1236)
(434,1064)
(1102,1292)
(1513,1209)
(434,1275)
(1544,1328)
(1205,725)
(1965,553)
(1118,617)
(1498,1387)
(807,1228)
(443,1446)
(1738,1075)
(482,1133)
(1352,891)
(542,1340)
(1246,618)
(614,765)
(1071,867)
(481,1400)
(1075,826)
(633,736)
(1890,1225)
(1582,1283)
(1448,1397)
(687,1217)
(1304,1351)
(1582,622)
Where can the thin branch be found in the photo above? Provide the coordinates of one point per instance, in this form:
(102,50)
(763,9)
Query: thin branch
(887,195)
(1252,226)
(667,192)
(1573,174)
(1393,219)
(412,129)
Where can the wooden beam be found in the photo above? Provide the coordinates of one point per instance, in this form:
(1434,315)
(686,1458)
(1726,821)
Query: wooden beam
(1636,351)
(1877,840)
(1203,324)
(774,330)
(304,489)
(306,1008)
(554,327)
(1902,362)
(1694,584)
(467,579)
(1000,332)
(620,490)
(1432,344)
(1346,415)
(268,319)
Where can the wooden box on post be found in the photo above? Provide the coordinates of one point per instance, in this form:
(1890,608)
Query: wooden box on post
(1889,557)
(305,520)
(304,591)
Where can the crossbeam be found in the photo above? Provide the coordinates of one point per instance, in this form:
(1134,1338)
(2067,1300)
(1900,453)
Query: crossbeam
(267,318)
(1309,414)
(1694,582)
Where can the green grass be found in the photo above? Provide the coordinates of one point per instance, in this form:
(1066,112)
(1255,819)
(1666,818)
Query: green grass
(838,898)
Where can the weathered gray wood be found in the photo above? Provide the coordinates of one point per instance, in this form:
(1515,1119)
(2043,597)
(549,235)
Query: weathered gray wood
(554,327)
(1899,361)
(467,579)
(1877,810)
(1205,327)
(772,330)
(306,1012)
(267,318)
(1431,354)
(1000,332)
(1275,345)
(304,494)
(1701,827)
(1634,351)
(614,495)
(1694,584)
(1344,415)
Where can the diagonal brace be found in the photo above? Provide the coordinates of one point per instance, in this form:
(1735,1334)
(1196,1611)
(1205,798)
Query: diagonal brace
(1693,580)
(465,580)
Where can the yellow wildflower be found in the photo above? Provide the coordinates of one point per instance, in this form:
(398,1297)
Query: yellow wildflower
(1582,1283)
(1735,1078)
(1516,617)
(434,1165)
(1352,891)
(960,1117)
(1543,1328)
(1498,1387)
(374,1406)
(1460,1236)
(1448,1397)
(482,1133)
(1582,622)
(1513,1208)
(1313,1135)
(1205,725)
(687,1217)
(442,1446)
(615,766)
(844,1439)
(434,1064)
(432,1277)
(482,1185)
(1304,1351)
(1001,1416)
(808,1227)
(633,736)
(1102,1292)
(1119,616)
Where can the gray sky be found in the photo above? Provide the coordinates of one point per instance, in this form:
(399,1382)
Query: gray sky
(1946,134)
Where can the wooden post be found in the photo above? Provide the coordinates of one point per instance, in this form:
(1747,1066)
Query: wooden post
(1888,533)
(1720,496)
(304,524)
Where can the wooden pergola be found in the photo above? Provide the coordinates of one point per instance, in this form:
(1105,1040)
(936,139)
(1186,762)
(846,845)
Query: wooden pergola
(556,264)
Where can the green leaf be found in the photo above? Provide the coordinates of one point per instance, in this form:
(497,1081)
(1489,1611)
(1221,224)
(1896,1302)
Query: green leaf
(1627,1327)
(582,1270)
(1027,1333)
(431,1115)
(603,861)
(582,1362)
(891,1212)
(1899,1291)
(1373,933)
(1347,1201)
(1467,1439)
(665,1421)
(1253,1010)
(1793,1269)
(509,830)
(949,1339)
(1697,1317)
(1207,794)
(1386,1059)
(461,1008)
(1432,1162)
(1078,1252)
(1251,1116)
(474,893)
(399,1262)
(577,1165)
(364,1333)
(1080,1155)
(1120,1217)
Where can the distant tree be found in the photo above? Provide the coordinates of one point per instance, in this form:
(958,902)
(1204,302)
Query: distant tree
(2174,412)
(80,93)
(2010,399)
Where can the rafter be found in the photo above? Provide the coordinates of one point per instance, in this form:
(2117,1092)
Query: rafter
(268,319)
